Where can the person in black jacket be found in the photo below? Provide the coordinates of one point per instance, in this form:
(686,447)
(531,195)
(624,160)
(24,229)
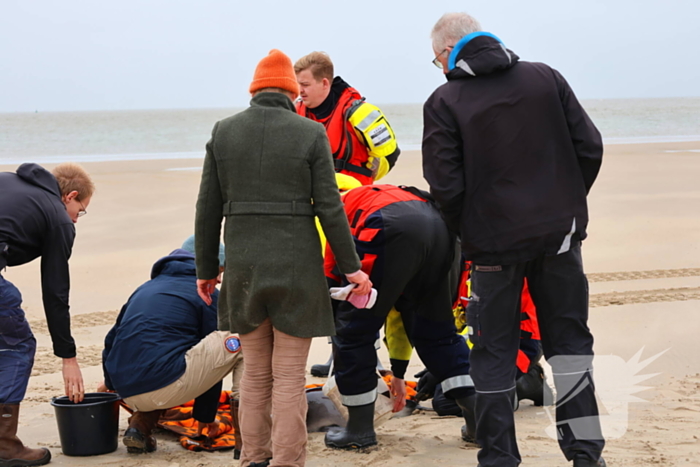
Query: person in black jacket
(164,350)
(510,155)
(38,210)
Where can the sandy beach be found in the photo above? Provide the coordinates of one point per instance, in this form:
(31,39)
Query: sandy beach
(642,257)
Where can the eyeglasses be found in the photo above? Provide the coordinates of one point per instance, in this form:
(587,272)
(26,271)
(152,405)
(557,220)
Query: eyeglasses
(436,60)
(82,211)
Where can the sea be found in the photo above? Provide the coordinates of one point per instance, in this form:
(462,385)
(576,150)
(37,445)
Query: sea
(94,136)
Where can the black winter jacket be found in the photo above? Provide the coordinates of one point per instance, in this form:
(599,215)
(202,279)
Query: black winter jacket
(34,222)
(509,154)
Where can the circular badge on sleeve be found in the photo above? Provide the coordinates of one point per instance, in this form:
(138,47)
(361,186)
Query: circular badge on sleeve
(232,344)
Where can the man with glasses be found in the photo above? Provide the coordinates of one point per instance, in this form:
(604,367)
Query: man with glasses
(510,156)
(37,216)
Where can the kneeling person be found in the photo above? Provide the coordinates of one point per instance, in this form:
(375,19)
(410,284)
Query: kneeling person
(164,350)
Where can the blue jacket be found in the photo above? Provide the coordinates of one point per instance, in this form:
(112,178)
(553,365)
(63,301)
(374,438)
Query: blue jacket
(163,319)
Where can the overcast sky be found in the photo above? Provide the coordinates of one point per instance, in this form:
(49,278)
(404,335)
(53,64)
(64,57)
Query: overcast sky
(146,54)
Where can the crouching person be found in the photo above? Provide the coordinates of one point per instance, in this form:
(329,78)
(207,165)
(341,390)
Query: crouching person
(164,350)
(410,256)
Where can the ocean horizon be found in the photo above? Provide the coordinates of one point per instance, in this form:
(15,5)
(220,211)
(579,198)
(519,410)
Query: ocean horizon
(165,134)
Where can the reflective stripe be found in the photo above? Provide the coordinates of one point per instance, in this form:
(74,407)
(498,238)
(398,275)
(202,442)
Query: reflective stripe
(506,52)
(566,244)
(459,381)
(464,66)
(495,392)
(574,373)
(367,121)
(359,399)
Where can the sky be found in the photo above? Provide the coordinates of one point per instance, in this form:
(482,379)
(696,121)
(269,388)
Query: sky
(158,54)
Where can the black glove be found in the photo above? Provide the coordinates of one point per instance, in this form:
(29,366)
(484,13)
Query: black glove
(426,385)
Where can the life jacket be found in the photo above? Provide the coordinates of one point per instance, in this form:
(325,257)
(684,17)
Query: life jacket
(360,203)
(359,135)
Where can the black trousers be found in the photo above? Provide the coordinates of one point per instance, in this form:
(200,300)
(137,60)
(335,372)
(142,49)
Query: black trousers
(415,272)
(559,290)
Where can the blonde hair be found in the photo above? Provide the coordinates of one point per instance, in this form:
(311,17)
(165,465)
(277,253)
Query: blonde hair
(319,63)
(451,28)
(72,177)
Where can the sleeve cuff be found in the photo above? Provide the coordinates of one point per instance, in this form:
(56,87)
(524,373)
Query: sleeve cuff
(398,367)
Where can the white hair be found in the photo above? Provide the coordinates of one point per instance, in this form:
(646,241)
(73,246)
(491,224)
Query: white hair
(451,28)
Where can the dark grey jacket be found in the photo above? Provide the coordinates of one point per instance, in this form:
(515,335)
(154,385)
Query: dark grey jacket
(509,154)
(269,171)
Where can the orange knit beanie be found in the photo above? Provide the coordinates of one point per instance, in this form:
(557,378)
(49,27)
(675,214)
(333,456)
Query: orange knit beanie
(275,71)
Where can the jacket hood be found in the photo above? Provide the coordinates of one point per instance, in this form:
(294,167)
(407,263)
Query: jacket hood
(177,263)
(479,53)
(39,176)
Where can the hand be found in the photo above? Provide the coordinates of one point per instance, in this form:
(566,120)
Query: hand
(102,387)
(426,385)
(206,287)
(364,285)
(73,380)
(212,429)
(398,393)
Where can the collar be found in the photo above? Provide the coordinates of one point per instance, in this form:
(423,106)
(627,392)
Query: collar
(464,41)
(272,99)
(326,108)
(477,54)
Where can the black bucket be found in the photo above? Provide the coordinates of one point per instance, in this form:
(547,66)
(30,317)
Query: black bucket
(90,427)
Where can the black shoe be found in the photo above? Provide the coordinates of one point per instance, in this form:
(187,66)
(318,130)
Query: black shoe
(533,385)
(468,404)
(321,370)
(581,460)
(359,432)
(138,443)
(260,464)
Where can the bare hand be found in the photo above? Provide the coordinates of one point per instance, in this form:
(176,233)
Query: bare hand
(398,393)
(206,287)
(102,387)
(364,285)
(73,380)
(212,429)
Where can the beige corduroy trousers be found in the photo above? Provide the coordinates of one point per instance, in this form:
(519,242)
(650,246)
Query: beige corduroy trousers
(273,398)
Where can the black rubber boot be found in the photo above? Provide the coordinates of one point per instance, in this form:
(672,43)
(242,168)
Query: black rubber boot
(533,385)
(467,404)
(359,432)
(581,460)
(321,370)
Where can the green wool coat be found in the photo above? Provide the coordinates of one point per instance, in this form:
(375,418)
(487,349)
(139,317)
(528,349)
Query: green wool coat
(268,172)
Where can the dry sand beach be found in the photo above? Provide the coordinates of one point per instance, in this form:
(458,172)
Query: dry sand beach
(642,257)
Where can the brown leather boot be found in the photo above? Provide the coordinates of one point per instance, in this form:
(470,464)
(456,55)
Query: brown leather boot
(138,438)
(12,451)
(235,403)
